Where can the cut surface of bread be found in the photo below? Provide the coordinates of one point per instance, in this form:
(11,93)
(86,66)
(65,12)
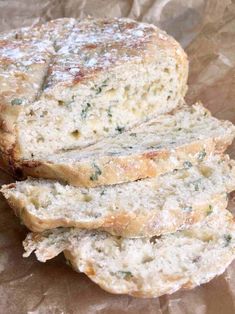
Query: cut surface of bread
(146,267)
(104,76)
(146,207)
(155,147)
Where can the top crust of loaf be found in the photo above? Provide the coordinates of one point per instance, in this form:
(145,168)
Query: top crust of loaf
(93,45)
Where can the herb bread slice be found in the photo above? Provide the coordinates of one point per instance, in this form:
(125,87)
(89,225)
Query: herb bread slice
(104,76)
(145,267)
(189,133)
(147,207)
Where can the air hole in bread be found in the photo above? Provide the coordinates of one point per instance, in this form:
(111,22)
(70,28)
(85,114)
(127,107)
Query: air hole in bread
(111,92)
(87,198)
(154,239)
(147,259)
(206,171)
(76,133)
(40,139)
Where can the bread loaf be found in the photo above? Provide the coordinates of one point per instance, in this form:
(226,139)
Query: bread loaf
(82,80)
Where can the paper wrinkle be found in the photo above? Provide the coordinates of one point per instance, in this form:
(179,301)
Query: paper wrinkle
(206,28)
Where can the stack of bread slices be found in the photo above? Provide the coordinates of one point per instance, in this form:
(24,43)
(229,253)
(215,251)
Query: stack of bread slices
(125,178)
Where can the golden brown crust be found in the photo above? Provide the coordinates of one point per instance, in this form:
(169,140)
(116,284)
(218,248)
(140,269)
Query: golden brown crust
(118,169)
(134,41)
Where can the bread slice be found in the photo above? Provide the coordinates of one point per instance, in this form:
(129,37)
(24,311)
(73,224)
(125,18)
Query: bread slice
(143,208)
(104,76)
(189,133)
(146,267)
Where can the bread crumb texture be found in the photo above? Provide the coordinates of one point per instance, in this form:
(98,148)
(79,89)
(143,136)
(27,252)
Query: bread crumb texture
(162,144)
(147,267)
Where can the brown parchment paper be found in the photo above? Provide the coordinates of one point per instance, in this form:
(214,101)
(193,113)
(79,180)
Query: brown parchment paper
(206,28)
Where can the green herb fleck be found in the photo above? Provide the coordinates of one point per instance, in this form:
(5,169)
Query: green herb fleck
(109,112)
(187,164)
(201,155)
(120,129)
(209,210)
(102,192)
(85,110)
(196,184)
(104,84)
(127,147)
(96,174)
(227,238)
(98,90)
(133,134)
(187,208)
(125,274)
(16,102)
(113,153)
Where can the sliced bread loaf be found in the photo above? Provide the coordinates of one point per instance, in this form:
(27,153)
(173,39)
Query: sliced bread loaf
(146,267)
(104,76)
(189,133)
(143,208)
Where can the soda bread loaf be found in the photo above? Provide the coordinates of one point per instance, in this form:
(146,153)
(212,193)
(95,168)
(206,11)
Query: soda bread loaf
(147,207)
(145,267)
(155,147)
(103,77)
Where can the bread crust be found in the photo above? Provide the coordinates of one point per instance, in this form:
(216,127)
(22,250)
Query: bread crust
(142,48)
(120,169)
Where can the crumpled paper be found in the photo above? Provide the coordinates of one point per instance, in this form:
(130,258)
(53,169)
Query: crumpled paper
(206,29)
